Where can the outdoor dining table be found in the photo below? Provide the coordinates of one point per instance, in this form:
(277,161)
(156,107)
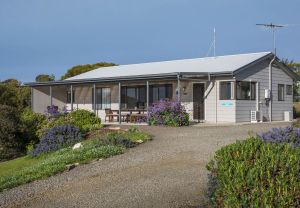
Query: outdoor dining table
(133,114)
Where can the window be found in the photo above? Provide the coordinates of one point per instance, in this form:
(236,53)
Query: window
(102,98)
(159,92)
(289,89)
(136,96)
(226,91)
(280,92)
(69,96)
(245,90)
(133,97)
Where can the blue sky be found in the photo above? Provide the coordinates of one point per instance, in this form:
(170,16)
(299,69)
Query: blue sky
(50,36)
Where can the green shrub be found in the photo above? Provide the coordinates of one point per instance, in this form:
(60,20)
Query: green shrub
(118,139)
(126,138)
(11,136)
(85,120)
(254,173)
(32,122)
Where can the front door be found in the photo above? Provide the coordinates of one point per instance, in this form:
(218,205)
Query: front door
(198,101)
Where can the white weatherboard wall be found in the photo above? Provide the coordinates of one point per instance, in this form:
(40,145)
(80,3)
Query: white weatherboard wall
(243,107)
(216,110)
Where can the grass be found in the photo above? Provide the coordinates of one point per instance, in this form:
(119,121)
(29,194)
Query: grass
(26,169)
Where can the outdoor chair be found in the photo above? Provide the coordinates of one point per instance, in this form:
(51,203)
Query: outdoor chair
(110,115)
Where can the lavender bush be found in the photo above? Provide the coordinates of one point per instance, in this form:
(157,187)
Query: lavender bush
(168,113)
(56,138)
(289,135)
(52,111)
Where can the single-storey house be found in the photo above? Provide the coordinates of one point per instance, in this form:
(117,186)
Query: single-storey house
(234,88)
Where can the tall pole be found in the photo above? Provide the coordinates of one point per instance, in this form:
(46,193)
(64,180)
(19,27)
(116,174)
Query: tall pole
(274,41)
(147,100)
(120,103)
(178,88)
(214,42)
(51,101)
(94,94)
(32,99)
(72,98)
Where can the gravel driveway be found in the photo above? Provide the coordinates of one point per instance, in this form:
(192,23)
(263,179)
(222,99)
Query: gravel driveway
(166,172)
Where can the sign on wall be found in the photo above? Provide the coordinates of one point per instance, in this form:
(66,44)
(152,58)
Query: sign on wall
(227,103)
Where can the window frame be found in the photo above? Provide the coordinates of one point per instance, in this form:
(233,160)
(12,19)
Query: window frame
(289,89)
(137,89)
(169,94)
(283,92)
(99,104)
(250,87)
(231,90)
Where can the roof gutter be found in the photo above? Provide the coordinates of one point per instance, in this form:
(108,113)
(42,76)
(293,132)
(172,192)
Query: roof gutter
(99,80)
(118,79)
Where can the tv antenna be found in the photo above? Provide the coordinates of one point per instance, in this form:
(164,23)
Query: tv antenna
(273,27)
(212,45)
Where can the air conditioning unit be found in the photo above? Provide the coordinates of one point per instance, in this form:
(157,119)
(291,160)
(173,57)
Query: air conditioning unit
(288,116)
(254,116)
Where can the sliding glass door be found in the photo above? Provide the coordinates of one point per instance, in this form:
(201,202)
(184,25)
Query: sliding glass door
(103,98)
(136,96)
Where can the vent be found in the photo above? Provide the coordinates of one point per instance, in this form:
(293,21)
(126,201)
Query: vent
(254,116)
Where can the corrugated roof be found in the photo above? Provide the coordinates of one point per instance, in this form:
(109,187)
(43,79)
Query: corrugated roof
(219,64)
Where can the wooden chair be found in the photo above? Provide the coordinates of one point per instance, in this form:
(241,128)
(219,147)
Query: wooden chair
(110,115)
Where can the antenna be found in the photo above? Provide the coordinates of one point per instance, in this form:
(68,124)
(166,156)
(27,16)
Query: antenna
(214,42)
(212,45)
(273,27)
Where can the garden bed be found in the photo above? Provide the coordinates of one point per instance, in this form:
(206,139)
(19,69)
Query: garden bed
(28,168)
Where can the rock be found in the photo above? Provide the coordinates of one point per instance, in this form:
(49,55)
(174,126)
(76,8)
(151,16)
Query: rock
(100,159)
(114,128)
(70,167)
(139,141)
(77,146)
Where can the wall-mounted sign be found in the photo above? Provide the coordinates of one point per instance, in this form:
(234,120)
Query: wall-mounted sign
(226,103)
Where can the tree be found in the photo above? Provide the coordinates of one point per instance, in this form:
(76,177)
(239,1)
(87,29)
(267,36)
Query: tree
(13,94)
(12,143)
(44,78)
(79,69)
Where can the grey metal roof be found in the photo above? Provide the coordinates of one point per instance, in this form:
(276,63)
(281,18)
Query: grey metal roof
(214,65)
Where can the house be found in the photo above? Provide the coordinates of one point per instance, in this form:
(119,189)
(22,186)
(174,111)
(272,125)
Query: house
(233,88)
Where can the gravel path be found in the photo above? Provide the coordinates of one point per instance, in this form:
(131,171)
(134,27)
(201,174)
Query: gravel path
(166,172)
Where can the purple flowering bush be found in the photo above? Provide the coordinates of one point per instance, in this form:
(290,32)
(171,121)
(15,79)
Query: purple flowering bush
(168,113)
(52,111)
(289,135)
(57,138)
(254,173)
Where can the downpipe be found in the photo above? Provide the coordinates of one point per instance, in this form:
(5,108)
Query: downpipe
(270,88)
